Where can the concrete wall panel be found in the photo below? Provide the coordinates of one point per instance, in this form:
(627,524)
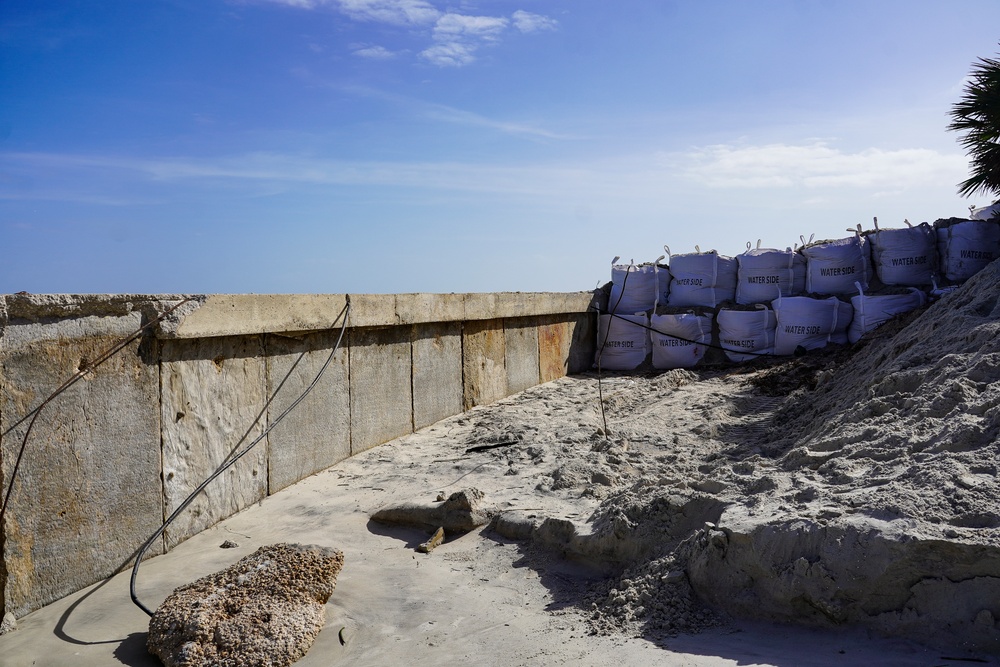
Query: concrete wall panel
(521,354)
(212,390)
(437,372)
(381,386)
(317,433)
(87,493)
(483,363)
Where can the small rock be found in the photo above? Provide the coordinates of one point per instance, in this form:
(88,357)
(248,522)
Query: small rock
(985,617)
(266,609)
(228,544)
(9,623)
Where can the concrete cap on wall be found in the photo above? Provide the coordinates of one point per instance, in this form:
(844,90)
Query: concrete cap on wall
(242,314)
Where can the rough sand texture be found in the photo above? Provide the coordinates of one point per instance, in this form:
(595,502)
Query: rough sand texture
(849,495)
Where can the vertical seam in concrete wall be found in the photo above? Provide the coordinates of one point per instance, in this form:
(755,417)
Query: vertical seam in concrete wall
(163,476)
(267,413)
(461,352)
(413,389)
(350,416)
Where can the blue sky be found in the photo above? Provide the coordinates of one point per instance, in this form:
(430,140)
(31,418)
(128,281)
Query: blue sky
(326,146)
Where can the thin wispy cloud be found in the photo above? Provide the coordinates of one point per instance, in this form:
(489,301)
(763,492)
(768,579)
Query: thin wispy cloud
(528,22)
(449,114)
(374,52)
(817,165)
(455,37)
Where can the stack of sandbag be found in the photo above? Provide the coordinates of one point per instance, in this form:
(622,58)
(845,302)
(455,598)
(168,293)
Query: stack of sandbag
(622,342)
(764,274)
(701,279)
(633,288)
(810,323)
(679,340)
(907,256)
(871,311)
(832,267)
(965,247)
(746,333)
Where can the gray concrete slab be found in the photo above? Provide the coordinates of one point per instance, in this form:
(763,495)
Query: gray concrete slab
(521,353)
(212,390)
(381,386)
(483,363)
(87,490)
(317,433)
(437,372)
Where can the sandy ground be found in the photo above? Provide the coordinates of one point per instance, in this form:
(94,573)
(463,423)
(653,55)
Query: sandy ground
(480,598)
(850,494)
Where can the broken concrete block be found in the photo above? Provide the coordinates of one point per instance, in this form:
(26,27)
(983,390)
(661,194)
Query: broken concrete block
(265,609)
(461,512)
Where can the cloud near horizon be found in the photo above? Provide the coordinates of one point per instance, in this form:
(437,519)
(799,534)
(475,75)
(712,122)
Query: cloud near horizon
(816,165)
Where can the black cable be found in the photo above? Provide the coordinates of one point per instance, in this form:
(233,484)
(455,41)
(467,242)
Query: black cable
(600,353)
(104,356)
(345,313)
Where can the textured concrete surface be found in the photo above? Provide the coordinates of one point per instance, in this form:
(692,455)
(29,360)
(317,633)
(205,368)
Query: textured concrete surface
(521,354)
(116,454)
(381,386)
(317,433)
(244,314)
(87,491)
(437,372)
(483,359)
(212,390)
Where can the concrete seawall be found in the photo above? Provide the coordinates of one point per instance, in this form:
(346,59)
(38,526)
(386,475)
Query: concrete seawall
(117,452)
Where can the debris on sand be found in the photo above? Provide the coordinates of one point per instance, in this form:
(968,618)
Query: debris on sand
(266,609)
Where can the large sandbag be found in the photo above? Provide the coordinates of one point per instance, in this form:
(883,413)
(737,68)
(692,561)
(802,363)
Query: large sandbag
(810,323)
(991,212)
(701,279)
(764,274)
(747,333)
(633,288)
(870,311)
(965,247)
(832,267)
(622,342)
(906,256)
(679,340)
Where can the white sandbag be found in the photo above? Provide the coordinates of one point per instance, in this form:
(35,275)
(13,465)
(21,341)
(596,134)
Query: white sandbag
(765,274)
(810,323)
(905,256)
(701,279)
(965,247)
(874,310)
(622,342)
(681,340)
(747,334)
(633,288)
(990,212)
(832,267)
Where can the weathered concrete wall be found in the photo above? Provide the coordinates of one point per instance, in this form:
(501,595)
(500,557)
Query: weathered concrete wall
(317,433)
(484,355)
(381,386)
(88,492)
(437,372)
(110,458)
(212,407)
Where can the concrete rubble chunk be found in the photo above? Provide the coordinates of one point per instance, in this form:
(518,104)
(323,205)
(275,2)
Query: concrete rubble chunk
(463,511)
(266,609)
(9,623)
